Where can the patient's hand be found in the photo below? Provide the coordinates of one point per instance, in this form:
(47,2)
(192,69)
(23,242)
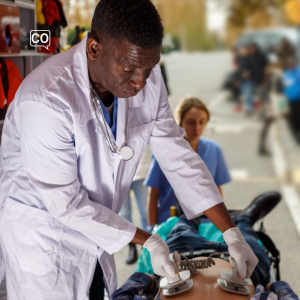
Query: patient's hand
(206,286)
(268,286)
(152,286)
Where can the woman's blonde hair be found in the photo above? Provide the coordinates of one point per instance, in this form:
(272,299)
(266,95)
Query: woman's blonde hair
(187,103)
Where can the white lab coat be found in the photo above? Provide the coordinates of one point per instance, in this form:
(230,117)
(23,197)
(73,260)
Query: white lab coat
(61,188)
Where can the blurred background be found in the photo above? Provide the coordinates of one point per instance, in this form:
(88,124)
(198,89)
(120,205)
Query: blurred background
(241,58)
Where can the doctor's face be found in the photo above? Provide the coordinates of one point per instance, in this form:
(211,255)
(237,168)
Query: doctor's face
(119,67)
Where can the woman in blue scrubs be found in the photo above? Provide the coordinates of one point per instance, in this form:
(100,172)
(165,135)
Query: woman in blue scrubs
(192,115)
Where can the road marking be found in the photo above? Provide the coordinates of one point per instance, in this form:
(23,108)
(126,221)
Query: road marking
(218,99)
(289,191)
(278,155)
(225,124)
(256,179)
(296,176)
(292,200)
(239,173)
(228,128)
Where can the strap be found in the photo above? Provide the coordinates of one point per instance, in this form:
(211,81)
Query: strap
(268,243)
(4,77)
(5,87)
(63,21)
(270,246)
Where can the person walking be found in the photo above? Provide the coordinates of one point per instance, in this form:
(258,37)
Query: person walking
(246,79)
(285,50)
(259,63)
(192,115)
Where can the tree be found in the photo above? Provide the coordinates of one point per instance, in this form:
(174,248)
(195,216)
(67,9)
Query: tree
(185,21)
(240,12)
(252,14)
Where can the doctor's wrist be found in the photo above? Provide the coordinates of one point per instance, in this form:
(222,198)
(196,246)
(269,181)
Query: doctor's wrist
(141,236)
(220,216)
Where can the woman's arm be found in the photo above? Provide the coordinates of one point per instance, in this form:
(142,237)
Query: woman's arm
(221,191)
(152,205)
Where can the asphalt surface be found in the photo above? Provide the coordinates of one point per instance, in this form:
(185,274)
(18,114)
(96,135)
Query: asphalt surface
(202,75)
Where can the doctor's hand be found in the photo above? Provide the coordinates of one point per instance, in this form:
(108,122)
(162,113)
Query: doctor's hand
(159,253)
(241,252)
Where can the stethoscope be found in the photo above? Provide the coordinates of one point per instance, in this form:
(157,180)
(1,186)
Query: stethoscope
(125,152)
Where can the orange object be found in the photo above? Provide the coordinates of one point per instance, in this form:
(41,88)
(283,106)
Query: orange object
(14,81)
(292,10)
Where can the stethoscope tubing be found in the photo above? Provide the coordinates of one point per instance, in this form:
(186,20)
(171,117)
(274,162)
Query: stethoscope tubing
(112,146)
(106,135)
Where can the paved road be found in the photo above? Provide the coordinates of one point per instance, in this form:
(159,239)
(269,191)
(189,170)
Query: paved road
(202,75)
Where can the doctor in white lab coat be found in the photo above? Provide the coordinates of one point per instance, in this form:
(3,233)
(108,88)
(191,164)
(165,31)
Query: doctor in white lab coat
(61,187)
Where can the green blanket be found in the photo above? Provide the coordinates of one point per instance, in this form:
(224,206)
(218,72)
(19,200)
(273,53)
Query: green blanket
(207,230)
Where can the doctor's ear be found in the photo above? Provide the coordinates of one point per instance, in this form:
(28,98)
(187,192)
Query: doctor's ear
(92,48)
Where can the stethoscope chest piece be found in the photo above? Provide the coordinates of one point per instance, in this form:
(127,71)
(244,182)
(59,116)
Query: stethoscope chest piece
(126,153)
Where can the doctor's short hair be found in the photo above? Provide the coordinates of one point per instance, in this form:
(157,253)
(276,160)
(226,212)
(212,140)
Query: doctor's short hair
(136,21)
(186,104)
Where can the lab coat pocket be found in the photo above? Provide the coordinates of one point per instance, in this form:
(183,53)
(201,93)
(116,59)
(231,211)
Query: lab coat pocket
(30,237)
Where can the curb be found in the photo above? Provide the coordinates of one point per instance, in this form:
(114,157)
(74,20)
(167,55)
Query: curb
(288,189)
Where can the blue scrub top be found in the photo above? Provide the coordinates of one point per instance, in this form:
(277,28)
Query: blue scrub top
(211,154)
(112,123)
(291,82)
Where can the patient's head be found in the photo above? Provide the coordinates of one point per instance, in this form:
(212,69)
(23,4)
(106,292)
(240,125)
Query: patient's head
(206,286)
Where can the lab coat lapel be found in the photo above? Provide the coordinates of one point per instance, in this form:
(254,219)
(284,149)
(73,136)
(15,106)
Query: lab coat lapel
(137,100)
(120,143)
(134,102)
(82,111)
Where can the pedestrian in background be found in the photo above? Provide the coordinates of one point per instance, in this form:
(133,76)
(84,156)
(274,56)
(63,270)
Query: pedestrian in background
(192,115)
(284,51)
(232,79)
(267,111)
(140,191)
(259,63)
(246,77)
(291,90)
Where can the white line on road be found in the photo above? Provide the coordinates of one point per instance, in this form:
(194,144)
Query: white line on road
(278,155)
(292,200)
(289,191)
(239,173)
(219,98)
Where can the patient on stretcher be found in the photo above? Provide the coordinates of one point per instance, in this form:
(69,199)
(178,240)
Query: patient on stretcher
(184,237)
